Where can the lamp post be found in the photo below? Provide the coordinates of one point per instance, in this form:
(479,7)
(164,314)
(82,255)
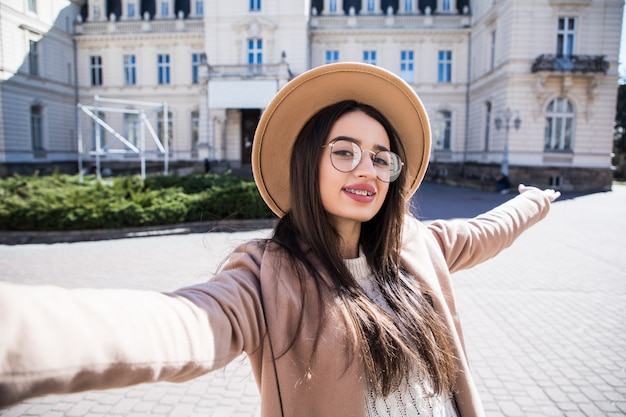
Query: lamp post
(507,124)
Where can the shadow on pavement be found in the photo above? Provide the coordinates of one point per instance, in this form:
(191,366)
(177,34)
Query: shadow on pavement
(437,201)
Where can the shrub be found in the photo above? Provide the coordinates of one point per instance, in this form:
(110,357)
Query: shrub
(62,202)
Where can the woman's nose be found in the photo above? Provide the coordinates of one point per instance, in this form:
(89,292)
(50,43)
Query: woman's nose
(366,165)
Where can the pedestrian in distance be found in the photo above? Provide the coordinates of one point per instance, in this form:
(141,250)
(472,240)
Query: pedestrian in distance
(503,183)
(346,310)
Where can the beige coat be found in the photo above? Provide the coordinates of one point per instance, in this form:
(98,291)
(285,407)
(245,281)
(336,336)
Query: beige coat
(54,340)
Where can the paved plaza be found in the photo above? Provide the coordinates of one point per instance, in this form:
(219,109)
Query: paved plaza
(544,321)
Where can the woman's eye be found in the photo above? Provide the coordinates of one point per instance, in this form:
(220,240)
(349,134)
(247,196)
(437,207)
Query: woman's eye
(343,152)
(381,161)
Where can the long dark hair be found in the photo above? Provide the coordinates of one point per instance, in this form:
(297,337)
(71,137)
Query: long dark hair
(413,335)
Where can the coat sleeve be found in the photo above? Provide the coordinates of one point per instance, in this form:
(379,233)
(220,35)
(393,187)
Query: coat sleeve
(56,340)
(466,243)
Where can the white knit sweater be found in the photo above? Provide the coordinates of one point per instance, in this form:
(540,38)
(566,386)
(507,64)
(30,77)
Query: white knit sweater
(410,399)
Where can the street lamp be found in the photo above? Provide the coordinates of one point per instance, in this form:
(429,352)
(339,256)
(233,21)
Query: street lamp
(507,123)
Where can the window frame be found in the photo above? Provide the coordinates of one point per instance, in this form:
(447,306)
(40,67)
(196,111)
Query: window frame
(442,131)
(33,57)
(31,6)
(331,56)
(254,52)
(164,8)
(444,66)
(407,65)
(36,127)
(196,60)
(255,5)
(370,56)
(131,125)
(95,70)
(130,69)
(163,69)
(565,36)
(559,127)
(488,125)
(199,7)
(170,129)
(195,131)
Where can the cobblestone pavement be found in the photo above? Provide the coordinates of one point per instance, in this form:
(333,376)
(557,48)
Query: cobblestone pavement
(544,322)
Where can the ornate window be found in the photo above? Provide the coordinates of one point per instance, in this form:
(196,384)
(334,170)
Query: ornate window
(559,126)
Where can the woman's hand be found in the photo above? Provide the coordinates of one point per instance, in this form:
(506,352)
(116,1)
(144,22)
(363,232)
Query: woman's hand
(548,192)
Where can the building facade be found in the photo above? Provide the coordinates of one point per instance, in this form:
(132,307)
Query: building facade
(38,89)
(523,87)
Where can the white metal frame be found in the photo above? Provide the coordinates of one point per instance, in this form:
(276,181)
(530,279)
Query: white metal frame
(95,110)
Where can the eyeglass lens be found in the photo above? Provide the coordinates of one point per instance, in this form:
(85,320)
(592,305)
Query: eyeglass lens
(345,155)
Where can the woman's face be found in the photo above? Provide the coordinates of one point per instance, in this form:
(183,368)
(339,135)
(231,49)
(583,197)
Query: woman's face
(351,198)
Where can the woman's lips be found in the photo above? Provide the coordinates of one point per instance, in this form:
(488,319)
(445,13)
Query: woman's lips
(363,193)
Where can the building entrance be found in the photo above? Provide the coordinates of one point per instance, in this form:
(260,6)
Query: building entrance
(249,120)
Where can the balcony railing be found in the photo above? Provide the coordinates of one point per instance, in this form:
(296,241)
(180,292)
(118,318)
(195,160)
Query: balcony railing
(138,26)
(570,63)
(394,21)
(248,71)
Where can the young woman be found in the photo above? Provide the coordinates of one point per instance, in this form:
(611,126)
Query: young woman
(347,310)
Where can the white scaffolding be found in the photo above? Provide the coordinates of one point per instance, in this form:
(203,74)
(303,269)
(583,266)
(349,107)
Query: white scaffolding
(143,110)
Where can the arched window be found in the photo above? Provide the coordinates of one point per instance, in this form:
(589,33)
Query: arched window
(442,130)
(559,126)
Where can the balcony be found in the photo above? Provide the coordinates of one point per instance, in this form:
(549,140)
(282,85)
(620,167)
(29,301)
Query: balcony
(365,21)
(247,71)
(139,26)
(571,63)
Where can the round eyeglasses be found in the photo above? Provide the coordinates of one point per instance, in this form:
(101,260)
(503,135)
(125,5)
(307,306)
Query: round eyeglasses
(345,155)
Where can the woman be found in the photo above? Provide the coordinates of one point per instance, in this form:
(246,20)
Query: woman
(347,310)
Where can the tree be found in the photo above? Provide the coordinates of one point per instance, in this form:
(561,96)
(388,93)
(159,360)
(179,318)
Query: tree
(619,136)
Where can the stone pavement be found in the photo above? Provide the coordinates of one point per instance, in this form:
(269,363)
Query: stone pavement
(544,321)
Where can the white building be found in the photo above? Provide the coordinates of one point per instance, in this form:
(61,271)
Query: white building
(38,91)
(206,69)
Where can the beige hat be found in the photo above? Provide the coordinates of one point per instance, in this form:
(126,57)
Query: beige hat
(315,89)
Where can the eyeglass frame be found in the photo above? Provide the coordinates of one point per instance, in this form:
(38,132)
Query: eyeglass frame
(373,155)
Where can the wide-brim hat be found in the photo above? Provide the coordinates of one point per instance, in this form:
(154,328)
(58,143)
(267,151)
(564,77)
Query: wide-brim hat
(305,95)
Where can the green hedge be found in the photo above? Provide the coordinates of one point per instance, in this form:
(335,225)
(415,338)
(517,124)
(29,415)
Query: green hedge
(61,202)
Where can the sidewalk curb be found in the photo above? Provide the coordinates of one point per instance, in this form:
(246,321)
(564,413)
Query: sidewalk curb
(69,236)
